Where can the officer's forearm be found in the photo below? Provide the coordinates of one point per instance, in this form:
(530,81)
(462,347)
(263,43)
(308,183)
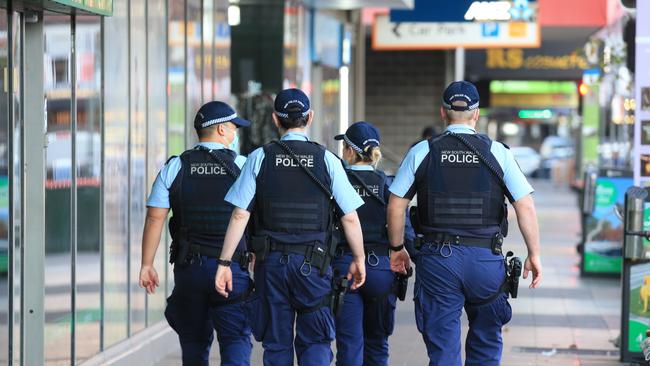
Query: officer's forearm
(396,217)
(236,227)
(353,234)
(527,221)
(153,226)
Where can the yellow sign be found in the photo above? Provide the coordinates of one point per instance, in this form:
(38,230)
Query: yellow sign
(515,59)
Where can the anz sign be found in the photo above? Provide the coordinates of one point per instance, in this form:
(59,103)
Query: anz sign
(467,11)
(518,10)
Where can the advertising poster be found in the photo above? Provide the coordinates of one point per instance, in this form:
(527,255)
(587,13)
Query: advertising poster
(639,306)
(604,239)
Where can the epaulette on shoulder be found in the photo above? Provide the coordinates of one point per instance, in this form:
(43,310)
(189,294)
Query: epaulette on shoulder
(170,159)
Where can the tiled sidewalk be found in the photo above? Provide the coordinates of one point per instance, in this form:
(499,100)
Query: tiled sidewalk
(568,321)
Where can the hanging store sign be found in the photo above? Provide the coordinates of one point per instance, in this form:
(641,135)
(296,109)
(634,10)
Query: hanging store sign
(432,35)
(101,7)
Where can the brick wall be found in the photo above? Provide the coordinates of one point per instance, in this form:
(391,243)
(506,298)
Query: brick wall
(403,93)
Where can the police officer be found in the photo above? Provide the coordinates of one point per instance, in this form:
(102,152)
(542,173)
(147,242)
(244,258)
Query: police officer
(367,317)
(194,185)
(461,179)
(291,187)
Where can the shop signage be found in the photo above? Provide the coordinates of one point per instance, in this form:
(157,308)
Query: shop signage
(551,60)
(427,35)
(101,7)
(466,11)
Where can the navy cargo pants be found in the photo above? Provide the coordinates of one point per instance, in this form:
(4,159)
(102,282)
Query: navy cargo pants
(288,295)
(367,318)
(448,279)
(194,312)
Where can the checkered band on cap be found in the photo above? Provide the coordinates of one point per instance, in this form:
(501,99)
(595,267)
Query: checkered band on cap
(286,115)
(352,145)
(469,108)
(218,120)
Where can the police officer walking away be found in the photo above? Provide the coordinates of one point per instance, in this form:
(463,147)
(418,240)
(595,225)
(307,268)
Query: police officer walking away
(292,186)
(367,317)
(461,179)
(194,185)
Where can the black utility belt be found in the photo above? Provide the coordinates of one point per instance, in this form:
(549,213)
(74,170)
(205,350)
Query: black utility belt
(381,250)
(239,256)
(494,243)
(317,254)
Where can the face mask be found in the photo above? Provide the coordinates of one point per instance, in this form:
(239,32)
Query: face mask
(234,145)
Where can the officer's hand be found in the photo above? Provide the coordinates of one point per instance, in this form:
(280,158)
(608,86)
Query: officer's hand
(400,261)
(357,273)
(223,280)
(149,279)
(534,264)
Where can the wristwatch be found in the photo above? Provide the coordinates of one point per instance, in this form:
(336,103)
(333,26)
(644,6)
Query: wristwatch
(397,248)
(223,262)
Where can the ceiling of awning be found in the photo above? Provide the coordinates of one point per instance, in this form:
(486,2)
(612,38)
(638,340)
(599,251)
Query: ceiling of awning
(356,4)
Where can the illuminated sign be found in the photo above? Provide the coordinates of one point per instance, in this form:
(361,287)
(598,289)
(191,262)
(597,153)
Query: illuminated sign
(101,7)
(535,114)
(532,87)
(515,58)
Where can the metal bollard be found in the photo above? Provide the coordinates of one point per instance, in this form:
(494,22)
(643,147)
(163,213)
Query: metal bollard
(635,198)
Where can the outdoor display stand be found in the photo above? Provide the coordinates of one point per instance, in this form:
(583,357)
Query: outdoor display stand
(635,314)
(602,225)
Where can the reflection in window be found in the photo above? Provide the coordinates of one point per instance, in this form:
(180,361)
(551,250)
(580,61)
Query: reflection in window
(4,192)
(88,150)
(116,188)
(58,264)
(176,76)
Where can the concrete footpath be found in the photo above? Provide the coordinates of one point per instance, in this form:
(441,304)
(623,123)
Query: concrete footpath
(568,321)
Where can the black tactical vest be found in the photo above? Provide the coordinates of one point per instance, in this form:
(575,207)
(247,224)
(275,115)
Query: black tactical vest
(457,193)
(372,214)
(289,206)
(197,197)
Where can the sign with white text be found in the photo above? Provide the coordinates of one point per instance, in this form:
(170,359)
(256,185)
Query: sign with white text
(428,35)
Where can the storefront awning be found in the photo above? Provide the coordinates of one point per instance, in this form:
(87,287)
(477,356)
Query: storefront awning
(98,7)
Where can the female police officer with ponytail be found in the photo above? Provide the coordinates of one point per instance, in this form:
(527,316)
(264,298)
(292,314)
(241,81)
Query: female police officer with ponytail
(367,316)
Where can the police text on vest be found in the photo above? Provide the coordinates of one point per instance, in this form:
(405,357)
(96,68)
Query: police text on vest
(458,157)
(288,161)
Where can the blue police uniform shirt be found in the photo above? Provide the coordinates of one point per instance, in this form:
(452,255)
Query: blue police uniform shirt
(512,175)
(242,193)
(159,196)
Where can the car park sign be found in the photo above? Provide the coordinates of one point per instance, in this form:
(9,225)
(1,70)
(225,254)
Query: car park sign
(387,35)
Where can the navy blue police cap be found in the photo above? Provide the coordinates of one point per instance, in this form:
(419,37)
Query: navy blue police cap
(215,112)
(292,103)
(460,91)
(360,135)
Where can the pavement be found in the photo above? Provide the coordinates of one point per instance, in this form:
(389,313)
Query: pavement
(569,320)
